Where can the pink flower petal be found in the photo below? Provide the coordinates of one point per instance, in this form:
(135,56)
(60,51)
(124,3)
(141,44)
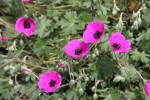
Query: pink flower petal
(73,45)
(26,70)
(94,32)
(118,43)
(20,26)
(126,46)
(4,38)
(147,88)
(45,80)
(27,0)
(28,32)
(61,64)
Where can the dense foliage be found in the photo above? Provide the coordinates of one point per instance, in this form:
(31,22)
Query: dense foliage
(100,74)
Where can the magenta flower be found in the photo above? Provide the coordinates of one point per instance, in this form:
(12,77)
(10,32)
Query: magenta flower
(27,0)
(61,64)
(118,43)
(94,32)
(4,38)
(26,70)
(26,26)
(76,49)
(49,81)
(147,88)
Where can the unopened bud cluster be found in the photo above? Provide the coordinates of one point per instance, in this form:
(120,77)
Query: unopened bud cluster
(72,82)
(120,22)
(95,54)
(13,47)
(115,9)
(137,17)
(81,91)
(95,96)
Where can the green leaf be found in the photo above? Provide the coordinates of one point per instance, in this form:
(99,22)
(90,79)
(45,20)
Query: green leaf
(35,94)
(85,18)
(71,94)
(87,4)
(102,18)
(76,2)
(40,47)
(105,43)
(146,15)
(136,55)
(69,23)
(44,27)
(129,94)
(105,46)
(147,34)
(119,78)
(108,97)
(130,73)
(115,94)
(107,66)
(94,72)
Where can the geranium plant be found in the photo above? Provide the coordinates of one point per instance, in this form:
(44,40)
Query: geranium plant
(74,50)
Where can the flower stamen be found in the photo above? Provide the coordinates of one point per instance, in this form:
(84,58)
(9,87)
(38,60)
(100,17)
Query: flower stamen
(26,24)
(97,35)
(52,83)
(116,46)
(78,51)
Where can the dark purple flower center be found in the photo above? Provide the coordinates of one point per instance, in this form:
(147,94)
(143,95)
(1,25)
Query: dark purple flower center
(52,83)
(97,34)
(78,51)
(116,46)
(26,24)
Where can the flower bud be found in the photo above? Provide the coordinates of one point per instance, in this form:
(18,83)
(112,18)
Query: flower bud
(139,20)
(93,89)
(135,24)
(4,38)
(81,91)
(26,70)
(134,15)
(122,79)
(61,64)
(116,7)
(59,99)
(96,51)
(26,16)
(10,82)
(72,82)
(94,1)
(144,7)
(16,87)
(114,12)
(95,96)
(86,79)
(21,42)
(132,27)
(93,55)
